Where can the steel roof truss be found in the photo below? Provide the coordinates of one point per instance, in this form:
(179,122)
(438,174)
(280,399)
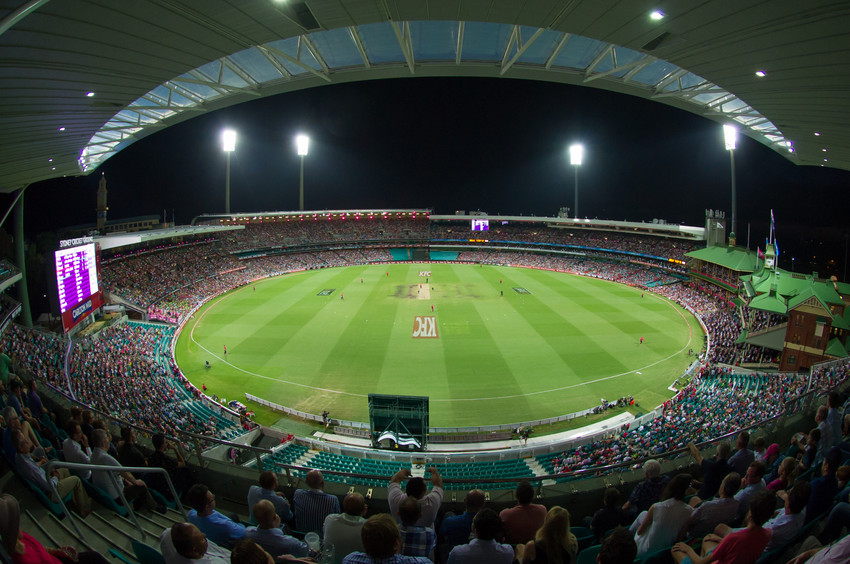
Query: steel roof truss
(305,40)
(461,26)
(278,53)
(274,62)
(221,88)
(240,72)
(628,76)
(640,63)
(403,37)
(557,50)
(355,36)
(608,51)
(516,37)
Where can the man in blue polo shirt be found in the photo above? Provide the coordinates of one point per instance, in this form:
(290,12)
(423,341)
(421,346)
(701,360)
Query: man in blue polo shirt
(216,526)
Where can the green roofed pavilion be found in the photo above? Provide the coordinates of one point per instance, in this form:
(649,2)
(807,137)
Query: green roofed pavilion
(738,259)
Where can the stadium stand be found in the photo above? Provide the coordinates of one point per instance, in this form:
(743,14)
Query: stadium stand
(127,373)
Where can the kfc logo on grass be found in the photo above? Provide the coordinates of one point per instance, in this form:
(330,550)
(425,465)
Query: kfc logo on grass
(425,327)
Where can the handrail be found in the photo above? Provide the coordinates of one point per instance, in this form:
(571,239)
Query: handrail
(112,470)
(258,451)
(603,469)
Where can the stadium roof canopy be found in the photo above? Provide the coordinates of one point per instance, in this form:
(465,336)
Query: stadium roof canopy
(82,79)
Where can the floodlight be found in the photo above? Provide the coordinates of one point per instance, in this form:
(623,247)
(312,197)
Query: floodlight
(302,142)
(656,15)
(576,153)
(228,140)
(730,135)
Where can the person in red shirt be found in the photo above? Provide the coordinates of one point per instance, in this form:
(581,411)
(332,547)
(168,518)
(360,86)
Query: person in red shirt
(742,547)
(521,521)
(24,549)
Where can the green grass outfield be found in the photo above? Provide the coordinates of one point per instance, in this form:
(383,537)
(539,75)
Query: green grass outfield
(497,359)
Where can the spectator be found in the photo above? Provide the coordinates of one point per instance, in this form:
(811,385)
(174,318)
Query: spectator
(247,551)
(416,540)
(751,484)
(618,548)
(456,529)
(135,490)
(787,473)
(215,525)
(837,553)
(342,530)
(825,487)
(14,423)
(740,461)
(268,490)
(34,472)
(76,448)
(741,547)
(128,453)
(610,516)
(759,449)
(827,440)
(486,526)
(659,526)
(833,417)
(713,470)
(181,476)
(525,518)
(381,544)
(711,513)
(37,407)
(184,543)
(553,542)
(416,488)
(646,492)
(312,506)
(24,549)
(270,536)
(790,519)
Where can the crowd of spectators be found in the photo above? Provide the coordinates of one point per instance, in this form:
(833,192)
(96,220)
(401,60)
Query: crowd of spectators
(656,246)
(127,373)
(714,403)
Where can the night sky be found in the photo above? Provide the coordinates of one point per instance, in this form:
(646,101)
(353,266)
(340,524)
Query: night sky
(496,145)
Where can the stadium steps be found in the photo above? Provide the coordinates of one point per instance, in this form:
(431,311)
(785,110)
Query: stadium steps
(538,470)
(103,531)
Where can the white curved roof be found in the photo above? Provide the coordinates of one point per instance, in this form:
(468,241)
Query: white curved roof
(153,63)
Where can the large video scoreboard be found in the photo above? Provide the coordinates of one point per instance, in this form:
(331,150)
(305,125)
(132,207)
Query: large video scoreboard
(77,283)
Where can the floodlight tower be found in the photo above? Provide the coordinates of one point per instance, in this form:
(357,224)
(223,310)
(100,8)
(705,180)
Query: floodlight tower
(302,144)
(576,154)
(730,136)
(228,145)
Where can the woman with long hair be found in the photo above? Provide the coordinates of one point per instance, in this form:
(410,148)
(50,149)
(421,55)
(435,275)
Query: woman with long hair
(553,543)
(25,549)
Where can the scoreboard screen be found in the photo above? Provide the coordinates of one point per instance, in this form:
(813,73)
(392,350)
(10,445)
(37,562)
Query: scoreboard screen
(480,224)
(77,284)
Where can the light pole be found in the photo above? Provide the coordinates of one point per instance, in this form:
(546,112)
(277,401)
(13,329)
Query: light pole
(302,143)
(228,145)
(730,136)
(576,154)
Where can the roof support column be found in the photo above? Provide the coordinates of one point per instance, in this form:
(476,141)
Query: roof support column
(21,260)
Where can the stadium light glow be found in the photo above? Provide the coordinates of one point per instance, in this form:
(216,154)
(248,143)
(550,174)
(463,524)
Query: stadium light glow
(730,137)
(228,145)
(576,156)
(302,145)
